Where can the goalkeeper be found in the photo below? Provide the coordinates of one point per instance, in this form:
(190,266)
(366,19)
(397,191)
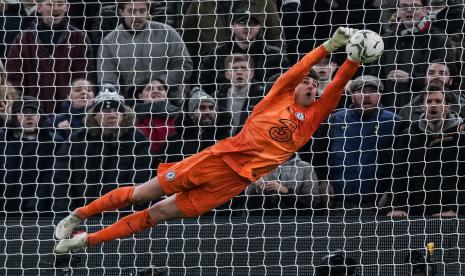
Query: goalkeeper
(279,126)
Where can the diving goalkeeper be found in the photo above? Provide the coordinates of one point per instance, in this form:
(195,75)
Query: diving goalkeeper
(279,126)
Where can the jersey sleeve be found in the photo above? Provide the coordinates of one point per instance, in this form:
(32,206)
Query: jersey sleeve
(289,80)
(332,94)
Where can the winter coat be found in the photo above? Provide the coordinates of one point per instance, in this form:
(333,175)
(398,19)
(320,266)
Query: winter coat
(27,171)
(155,52)
(429,173)
(46,75)
(97,165)
(156,120)
(359,153)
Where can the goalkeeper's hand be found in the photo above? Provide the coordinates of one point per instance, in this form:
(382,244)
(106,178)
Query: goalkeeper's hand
(339,39)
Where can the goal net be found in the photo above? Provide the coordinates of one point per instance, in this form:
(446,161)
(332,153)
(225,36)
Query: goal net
(94,95)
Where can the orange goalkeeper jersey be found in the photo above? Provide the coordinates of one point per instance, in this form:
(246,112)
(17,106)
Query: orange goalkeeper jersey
(278,127)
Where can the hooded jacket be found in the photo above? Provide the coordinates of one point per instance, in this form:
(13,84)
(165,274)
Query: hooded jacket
(429,170)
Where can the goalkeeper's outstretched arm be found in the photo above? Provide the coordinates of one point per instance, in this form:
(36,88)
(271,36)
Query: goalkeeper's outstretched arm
(289,80)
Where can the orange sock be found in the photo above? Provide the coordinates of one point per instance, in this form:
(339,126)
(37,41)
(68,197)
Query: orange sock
(118,198)
(124,227)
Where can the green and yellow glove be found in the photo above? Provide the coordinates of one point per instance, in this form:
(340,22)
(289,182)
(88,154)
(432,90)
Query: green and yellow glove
(339,39)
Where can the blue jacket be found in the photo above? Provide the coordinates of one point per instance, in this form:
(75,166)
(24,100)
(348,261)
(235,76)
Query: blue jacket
(358,146)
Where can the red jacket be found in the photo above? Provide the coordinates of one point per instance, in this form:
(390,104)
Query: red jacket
(158,130)
(47,76)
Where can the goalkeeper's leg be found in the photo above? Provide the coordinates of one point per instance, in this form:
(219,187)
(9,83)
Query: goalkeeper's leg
(116,199)
(163,210)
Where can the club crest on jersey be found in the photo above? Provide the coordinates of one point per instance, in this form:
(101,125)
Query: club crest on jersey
(300,116)
(170,175)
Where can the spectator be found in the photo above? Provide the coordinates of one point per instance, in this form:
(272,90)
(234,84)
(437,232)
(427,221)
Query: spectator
(146,50)
(7,96)
(104,17)
(291,188)
(45,58)
(202,127)
(16,17)
(438,74)
(73,112)
(360,141)
(27,159)
(429,161)
(109,150)
(242,93)
(325,70)
(408,49)
(206,24)
(448,16)
(155,115)
(246,29)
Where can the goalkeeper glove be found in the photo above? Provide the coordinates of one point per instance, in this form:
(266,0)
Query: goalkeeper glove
(339,39)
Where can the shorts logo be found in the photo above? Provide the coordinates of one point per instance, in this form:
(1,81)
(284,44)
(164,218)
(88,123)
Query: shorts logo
(170,175)
(300,116)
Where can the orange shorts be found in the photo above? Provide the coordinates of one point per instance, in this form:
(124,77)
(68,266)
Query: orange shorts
(200,182)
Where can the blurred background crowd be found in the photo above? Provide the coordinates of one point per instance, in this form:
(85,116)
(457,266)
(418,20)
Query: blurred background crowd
(95,94)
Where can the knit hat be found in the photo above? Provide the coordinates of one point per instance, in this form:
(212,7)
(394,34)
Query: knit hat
(108,99)
(243,15)
(199,95)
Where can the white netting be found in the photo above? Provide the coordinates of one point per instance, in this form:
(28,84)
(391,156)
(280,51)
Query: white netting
(185,74)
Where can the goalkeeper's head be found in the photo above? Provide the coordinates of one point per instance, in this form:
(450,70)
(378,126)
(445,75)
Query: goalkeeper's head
(306,91)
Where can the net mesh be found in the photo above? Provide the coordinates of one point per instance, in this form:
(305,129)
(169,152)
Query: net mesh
(95,94)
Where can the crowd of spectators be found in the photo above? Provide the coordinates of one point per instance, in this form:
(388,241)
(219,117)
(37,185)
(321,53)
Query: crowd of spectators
(96,94)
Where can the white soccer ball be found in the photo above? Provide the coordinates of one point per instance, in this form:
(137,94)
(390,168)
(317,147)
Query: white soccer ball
(365,46)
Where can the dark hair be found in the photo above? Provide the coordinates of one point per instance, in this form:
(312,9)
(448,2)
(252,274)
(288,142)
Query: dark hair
(312,74)
(92,85)
(122,3)
(239,58)
(139,88)
(448,97)
(424,3)
(453,67)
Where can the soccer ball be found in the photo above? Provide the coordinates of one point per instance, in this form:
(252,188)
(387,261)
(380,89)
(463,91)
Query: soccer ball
(365,46)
